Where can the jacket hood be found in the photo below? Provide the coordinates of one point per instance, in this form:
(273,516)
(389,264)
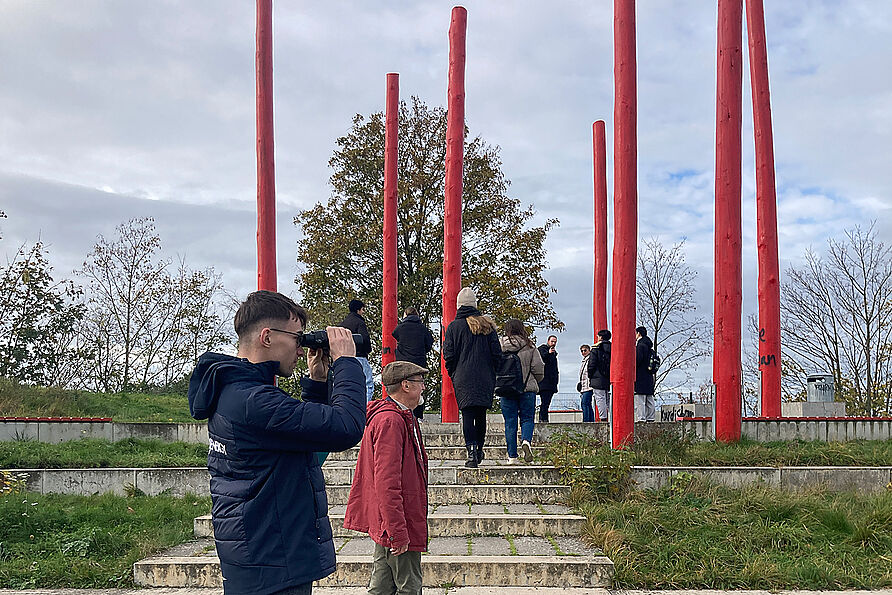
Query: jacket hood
(213,371)
(646,341)
(512,343)
(604,346)
(412,318)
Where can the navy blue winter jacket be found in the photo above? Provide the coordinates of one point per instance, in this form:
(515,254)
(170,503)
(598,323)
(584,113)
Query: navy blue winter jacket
(270,511)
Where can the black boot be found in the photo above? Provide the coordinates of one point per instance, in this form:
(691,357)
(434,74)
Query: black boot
(472,456)
(479,453)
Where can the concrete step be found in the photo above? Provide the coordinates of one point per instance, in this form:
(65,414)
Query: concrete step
(458,561)
(457,473)
(453,523)
(476,494)
(451,439)
(439,453)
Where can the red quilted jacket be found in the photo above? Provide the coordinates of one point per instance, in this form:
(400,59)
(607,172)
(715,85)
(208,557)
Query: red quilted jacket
(388,498)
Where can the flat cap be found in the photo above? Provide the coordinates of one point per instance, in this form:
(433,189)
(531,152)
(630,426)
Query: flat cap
(396,372)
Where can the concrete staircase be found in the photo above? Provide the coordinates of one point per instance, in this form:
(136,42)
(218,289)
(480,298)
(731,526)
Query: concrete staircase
(497,525)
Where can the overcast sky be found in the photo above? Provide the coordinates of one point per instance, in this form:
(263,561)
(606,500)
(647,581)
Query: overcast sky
(112,110)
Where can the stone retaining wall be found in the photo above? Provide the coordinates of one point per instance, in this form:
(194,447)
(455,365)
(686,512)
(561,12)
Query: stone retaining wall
(830,430)
(181,480)
(64,431)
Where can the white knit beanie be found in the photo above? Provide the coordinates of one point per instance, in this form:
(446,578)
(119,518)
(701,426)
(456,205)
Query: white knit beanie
(466,297)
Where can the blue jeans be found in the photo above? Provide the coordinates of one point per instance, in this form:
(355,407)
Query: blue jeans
(588,414)
(523,407)
(369,378)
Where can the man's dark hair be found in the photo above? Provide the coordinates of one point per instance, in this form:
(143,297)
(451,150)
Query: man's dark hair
(356,305)
(604,334)
(584,346)
(550,336)
(641,331)
(410,311)
(264,305)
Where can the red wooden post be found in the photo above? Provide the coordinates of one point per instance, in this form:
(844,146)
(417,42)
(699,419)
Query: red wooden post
(625,222)
(766,215)
(266,170)
(389,301)
(726,368)
(599,303)
(455,138)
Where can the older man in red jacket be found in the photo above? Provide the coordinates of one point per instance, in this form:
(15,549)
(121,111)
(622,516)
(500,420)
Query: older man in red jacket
(388,498)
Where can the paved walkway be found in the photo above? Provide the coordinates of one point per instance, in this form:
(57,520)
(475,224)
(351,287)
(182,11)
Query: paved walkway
(440,591)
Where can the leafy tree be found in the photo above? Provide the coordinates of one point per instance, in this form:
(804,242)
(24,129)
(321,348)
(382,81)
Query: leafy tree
(341,254)
(38,320)
(667,305)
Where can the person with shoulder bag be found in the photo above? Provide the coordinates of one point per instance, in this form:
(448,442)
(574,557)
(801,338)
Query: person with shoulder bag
(583,387)
(517,382)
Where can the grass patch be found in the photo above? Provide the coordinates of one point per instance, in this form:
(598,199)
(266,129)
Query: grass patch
(92,452)
(22,400)
(52,541)
(692,534)
(672,447)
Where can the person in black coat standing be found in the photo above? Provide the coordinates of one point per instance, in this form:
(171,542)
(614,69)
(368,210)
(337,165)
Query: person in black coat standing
(599,373)
(645,408)
(471,352)
(549,384)
(356,323)
(413,342)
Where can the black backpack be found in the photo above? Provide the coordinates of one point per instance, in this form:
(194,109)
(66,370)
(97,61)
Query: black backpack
(509,376)
(653,364)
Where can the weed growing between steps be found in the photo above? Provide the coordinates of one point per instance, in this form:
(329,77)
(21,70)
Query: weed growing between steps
(693,534)
(87,541)
(93,452)
(36,401)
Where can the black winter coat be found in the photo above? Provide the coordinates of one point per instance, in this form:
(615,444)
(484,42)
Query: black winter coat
(549,384)
(471,358)
(599,366)
(270,511)
(356,324)
(644,380)
(413,341)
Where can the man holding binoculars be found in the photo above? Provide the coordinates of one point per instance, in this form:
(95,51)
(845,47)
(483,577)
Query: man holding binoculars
(270,512)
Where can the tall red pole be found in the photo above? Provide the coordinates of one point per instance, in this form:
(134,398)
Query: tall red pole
(266,170)
(726,367)
(766,214)
(455,138)
(625,222)
(389,301)
(599,303)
